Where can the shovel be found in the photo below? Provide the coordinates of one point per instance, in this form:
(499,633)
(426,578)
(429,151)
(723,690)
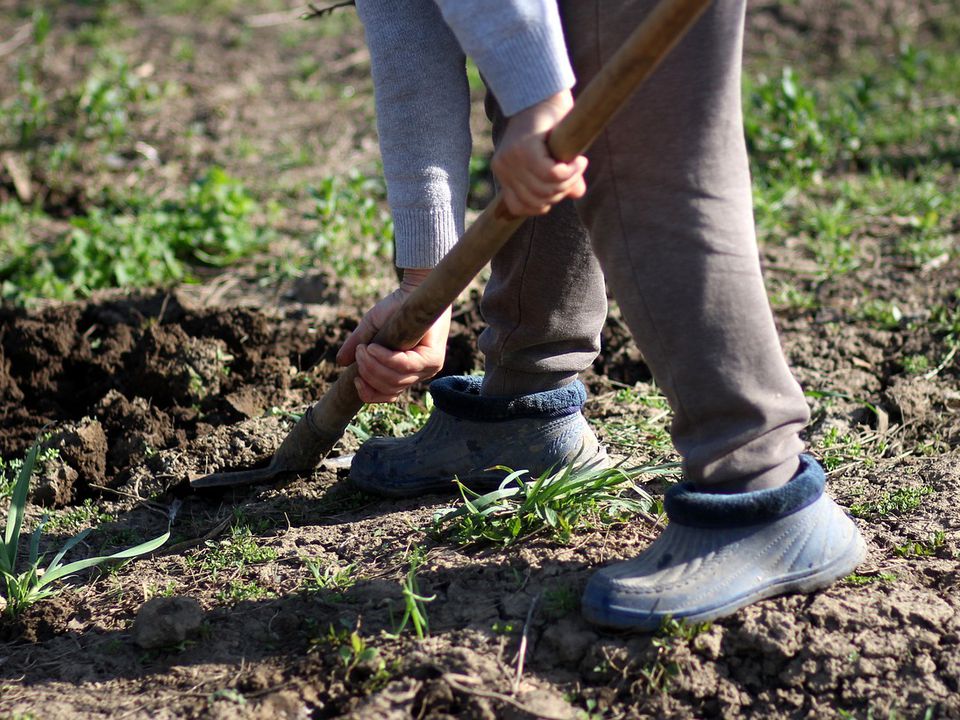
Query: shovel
(315,434)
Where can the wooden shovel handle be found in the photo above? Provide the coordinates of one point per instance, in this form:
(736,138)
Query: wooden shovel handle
(596,104)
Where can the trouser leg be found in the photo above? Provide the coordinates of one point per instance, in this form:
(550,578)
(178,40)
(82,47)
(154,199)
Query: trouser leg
(545,302)
(669,209)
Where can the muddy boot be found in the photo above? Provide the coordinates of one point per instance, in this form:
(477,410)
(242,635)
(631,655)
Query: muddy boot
(469,434)
(722,552)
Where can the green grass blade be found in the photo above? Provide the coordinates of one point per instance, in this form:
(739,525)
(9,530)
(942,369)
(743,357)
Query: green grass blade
(18,503)
(33,557)
(67,547)
(74,567)
(513,476)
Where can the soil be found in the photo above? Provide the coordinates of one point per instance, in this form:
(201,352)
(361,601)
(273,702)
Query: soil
(140,392)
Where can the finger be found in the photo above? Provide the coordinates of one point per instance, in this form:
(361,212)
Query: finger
(525,203)
(558,185)
(575,190)
(523,169)
(548,192)
(537,191)
(363,334)
(552,172)
(578,190)
(369,395)
(381,378)
(422,361)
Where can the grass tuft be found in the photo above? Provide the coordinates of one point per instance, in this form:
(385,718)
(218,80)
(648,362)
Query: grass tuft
(900,502)
(415,603)
(145,243)
(555,502)
(24,587)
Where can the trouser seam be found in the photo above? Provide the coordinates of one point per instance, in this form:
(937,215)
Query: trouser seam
(529,226)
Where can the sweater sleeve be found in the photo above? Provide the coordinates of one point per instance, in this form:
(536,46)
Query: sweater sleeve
(423,119)
(518,46)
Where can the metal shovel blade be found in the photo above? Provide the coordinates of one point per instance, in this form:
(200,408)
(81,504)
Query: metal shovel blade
(237,478)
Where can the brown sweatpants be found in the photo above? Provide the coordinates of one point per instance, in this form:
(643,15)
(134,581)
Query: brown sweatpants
(668,217)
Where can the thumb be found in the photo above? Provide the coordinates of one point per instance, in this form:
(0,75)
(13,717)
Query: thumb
(364,333)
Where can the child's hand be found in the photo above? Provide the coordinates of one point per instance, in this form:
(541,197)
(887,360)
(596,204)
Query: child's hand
(531,181)
(384,374)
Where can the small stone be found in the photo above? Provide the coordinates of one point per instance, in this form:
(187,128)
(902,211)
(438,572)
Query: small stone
(166,621)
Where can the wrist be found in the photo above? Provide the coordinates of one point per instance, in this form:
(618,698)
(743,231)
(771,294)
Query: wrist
(553,107)
(413,277)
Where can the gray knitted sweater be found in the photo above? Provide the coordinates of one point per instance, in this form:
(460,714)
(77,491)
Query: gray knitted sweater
(423,101)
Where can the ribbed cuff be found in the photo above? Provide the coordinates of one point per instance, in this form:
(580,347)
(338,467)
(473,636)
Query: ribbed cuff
(424,235)
(459,396)
(686,506)
(527,67)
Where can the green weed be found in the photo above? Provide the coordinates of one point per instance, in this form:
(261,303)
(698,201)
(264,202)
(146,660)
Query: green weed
(228,695)
(645,426)
(169,589)
(830,229)
(355,236)
(886,115)
(922,548)
(108,95)
(391,419)
(782,125)
(945,321)
(788,296)
(72,519)
(592,709)
(240,549)
(330,578)
(145,244)
(10,470)
(857,580)
(916,364)
(23,588)
(239,590)
(885,314)
(660,673)
(356,654)
(560,601)
(415,603)
(56,129)
(555,502)
(900,502)
(837,447)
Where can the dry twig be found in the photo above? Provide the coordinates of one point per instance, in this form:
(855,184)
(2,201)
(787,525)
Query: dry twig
(524,638)
(317,12)
(458,683)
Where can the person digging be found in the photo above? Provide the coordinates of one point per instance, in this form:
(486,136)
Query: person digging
(660,211)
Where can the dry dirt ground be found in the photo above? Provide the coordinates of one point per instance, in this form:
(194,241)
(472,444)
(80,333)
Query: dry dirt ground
(141,392)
